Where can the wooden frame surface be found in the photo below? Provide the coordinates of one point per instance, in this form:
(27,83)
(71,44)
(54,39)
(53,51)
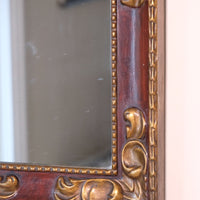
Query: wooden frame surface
(138,121)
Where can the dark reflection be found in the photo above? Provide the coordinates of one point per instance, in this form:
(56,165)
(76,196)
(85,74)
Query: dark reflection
(68,83)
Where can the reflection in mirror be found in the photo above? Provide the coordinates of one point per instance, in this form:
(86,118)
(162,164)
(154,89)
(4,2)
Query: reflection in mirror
(56,83)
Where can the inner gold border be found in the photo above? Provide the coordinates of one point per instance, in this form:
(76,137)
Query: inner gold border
(74,170)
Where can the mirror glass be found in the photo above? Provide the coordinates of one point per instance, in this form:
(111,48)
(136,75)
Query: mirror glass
(56,82)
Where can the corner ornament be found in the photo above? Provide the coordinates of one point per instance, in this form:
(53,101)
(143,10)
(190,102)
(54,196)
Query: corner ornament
(8,187)
(133,3)
(132,185)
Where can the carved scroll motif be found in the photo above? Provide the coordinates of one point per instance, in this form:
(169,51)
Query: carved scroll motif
(8,187)
(134,162)
(96,189)
(133,3)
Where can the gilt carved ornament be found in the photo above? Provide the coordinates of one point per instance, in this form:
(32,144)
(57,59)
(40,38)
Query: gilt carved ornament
(8,186)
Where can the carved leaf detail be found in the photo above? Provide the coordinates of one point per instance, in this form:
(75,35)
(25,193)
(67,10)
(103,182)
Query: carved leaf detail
(67,190)
(8,187)
(93,189)
(134,159)
(133,3)
(101,189)
(135,128)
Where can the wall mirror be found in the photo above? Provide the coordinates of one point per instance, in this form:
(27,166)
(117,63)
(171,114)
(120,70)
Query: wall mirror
(82,99)
(61,93)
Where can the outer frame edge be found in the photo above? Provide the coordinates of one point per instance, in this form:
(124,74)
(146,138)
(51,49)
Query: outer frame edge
(161,98)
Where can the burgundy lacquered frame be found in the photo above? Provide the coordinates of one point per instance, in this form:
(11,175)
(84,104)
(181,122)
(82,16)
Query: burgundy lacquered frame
(140,85)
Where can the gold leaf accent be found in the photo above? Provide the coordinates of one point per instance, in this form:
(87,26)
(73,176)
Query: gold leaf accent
(69,190)
(133,3)
(105,188)
(137,123)
(8,188)
(134,159)
(92,189)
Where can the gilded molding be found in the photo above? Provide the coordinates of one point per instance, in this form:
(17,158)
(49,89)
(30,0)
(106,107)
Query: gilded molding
(133,3)
(8,187)
(114,82)
(153,99)
(137,123)
(132,185)
(134,159)
(97,189)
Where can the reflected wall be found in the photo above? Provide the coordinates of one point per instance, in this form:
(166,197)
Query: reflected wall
(61,77)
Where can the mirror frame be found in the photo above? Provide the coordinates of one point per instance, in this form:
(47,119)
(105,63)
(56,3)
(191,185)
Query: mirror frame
(138,63)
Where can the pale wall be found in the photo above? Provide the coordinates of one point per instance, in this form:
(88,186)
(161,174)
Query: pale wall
(183,99)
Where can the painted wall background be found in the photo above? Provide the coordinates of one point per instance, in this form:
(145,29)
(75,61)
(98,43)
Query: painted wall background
(183,100)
